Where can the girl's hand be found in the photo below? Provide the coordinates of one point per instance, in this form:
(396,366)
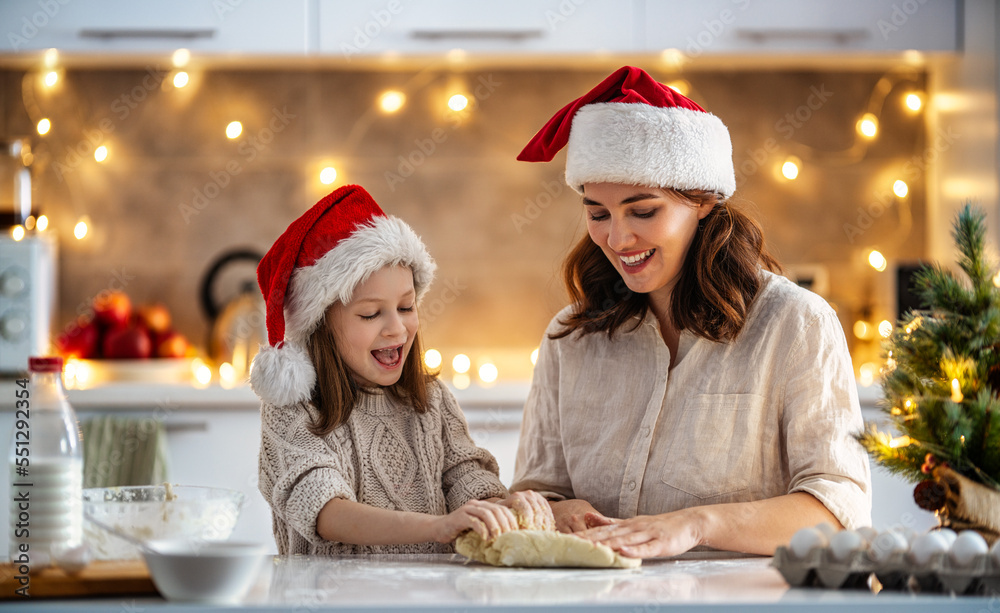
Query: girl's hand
(570,514)
(488,519)
(646,536)
(532,510)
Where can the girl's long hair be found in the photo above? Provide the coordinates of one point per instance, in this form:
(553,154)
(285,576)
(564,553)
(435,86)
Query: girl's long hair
(717,285)
(336,393)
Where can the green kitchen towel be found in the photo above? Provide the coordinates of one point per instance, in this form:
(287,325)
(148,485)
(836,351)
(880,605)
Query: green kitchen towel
(119,450)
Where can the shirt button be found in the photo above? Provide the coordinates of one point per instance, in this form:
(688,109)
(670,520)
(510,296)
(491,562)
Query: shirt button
(631,485)
(645,431)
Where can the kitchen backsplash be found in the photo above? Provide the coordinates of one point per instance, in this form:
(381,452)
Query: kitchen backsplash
(175,193)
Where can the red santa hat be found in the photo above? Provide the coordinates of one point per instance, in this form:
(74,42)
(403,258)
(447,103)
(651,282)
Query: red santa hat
(631,129)
(319,260)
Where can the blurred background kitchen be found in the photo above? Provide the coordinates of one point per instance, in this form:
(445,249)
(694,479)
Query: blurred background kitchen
(157,150)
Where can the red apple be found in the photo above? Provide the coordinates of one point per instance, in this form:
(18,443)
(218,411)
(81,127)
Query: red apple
(79,339)
(171,345)
(112,309)
(127,343)
(155,317)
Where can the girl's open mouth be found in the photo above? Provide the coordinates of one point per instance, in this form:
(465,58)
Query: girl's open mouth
(390,357)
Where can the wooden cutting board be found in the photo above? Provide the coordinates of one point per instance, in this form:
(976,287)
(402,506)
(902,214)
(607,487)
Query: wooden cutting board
(99,578)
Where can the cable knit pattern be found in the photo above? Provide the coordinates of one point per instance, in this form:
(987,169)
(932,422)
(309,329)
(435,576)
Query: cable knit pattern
(386,455)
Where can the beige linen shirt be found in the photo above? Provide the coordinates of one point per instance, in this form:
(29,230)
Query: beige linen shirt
(771,413)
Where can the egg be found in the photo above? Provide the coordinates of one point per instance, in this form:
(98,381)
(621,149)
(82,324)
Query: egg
(949,535)
(885,544)
(827,529)
(844,543)
(967,547)
(868,533)
(925,546)
(805,540)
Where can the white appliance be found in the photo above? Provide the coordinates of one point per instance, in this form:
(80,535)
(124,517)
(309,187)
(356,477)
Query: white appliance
(27,298)
(27,266)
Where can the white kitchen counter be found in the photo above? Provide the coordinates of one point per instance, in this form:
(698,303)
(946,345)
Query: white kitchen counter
(707,582)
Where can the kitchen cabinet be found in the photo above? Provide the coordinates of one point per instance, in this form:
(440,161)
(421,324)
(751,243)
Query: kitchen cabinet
(716,27)
(113,27)
(336,29)
(370,27)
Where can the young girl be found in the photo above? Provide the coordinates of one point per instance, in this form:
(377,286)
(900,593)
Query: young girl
(361,450)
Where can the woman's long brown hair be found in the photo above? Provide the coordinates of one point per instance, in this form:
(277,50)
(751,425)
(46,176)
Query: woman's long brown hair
(717,285)
(336,393)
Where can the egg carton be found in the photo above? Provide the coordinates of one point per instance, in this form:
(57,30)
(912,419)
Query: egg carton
(898,572)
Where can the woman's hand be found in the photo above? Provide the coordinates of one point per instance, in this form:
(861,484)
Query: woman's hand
(488,519)
(532,510)
(570,515)
(645,536)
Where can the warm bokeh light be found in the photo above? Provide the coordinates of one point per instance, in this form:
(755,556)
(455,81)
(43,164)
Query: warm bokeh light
(203,374)
(900,188)
(534,356)
(900,441)
(80,229)
(51,78)
(29,223)
(996,279)
(488,373)
(885,328)
(391,101)
(101,153)
(914,101)
(181,57)
(43,127)
(461,381)
(868,125)
(877,260)
(680,86)
(673,58)
(461,363)
(17,232)
(234,129)
(790,169)
(42,223)
(181,79)
(227,375)
(458,102)
(456,56)
(432,358)
(867,374)
(328,175)
(51,57)
(863,330)
(956,391)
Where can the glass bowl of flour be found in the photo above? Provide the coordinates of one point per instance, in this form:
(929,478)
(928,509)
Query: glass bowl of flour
(154,512)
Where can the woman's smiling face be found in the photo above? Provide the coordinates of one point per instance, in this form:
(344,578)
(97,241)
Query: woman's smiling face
(375,330)
(645,232)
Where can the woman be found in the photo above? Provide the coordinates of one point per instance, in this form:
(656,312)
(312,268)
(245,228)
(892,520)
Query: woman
(688,396)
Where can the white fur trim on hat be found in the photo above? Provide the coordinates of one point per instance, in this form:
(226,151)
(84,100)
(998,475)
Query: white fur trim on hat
(282,375)
(385,241)
(639,144)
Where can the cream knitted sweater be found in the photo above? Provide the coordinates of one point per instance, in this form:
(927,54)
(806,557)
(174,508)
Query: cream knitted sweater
(386,455)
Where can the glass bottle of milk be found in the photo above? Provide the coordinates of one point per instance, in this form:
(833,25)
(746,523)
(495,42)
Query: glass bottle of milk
(46,469)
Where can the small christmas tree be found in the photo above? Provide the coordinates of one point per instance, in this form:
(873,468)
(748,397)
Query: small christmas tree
(942,378)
